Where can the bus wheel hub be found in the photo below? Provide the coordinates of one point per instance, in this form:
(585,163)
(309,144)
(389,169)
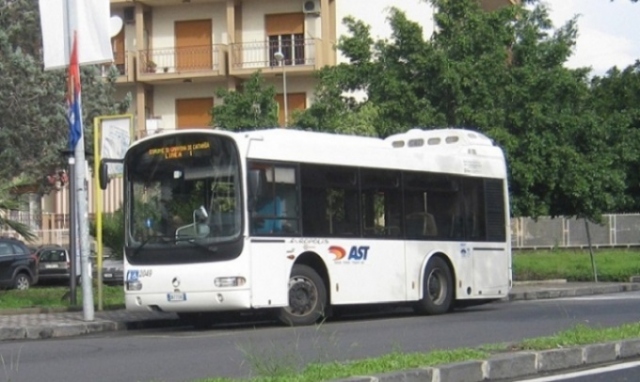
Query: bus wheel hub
(302,297)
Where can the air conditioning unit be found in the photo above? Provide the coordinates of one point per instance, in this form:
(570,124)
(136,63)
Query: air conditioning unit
(311,7)
(129,16)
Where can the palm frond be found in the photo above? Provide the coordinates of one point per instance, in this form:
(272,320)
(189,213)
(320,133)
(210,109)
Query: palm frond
(9,202)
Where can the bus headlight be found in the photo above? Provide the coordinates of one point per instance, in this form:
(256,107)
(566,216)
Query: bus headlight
(134,285)
(223,282)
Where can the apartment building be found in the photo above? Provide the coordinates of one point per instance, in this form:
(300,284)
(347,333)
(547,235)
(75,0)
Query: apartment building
(172,55)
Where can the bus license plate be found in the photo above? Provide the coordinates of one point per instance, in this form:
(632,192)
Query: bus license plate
(174,297)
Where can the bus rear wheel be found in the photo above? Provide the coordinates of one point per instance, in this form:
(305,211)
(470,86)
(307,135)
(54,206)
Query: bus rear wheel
(307,297)
(437,292)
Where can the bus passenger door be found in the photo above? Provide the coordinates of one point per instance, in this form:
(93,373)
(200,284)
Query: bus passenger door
(486,224)
(274,215)
(491,268)
(270,271)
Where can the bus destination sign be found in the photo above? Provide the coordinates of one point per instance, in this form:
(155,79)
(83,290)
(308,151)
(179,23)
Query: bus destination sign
(180,151)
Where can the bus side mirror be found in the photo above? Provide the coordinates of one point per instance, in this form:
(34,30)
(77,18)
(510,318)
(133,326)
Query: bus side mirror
(103,171)
(103,174)
(257,181)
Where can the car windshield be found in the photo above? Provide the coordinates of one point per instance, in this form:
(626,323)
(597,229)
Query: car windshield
(183,189)
(53,255)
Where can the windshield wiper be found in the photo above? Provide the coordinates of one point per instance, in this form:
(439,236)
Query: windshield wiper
(147,240)
(195,243)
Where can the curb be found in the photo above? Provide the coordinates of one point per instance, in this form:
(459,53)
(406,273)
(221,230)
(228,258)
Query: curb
(540,282)
(41,332)
(515,365)
(573,292)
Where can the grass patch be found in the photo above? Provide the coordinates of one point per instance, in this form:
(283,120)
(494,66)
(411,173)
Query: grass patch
(582,335)
(571,264)
(54,297)
(575,264)
(396,361)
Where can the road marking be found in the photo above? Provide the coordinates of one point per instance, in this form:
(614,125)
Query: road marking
(584,373)
(620,296)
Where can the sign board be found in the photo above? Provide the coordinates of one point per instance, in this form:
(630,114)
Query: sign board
(115,138)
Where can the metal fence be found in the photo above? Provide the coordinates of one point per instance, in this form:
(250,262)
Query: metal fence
(48,228)
(619,230)
(616,230)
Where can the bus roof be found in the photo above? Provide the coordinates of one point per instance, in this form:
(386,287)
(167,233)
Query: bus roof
(449,150)
(459,151)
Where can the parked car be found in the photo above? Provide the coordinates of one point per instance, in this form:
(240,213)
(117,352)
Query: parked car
(54,264)
(18,265)
(112,270)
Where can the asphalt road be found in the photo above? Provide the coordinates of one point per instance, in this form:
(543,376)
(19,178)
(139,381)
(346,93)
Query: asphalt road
(182,354)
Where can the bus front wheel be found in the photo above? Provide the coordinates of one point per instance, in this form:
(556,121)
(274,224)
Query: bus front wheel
(307,297)
(437,288)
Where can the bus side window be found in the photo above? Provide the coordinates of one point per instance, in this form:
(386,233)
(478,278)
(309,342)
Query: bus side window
(330,195)
(266,219)
(276,211)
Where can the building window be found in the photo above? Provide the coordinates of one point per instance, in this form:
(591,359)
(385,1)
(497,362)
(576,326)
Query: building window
(285,33)
(291,46)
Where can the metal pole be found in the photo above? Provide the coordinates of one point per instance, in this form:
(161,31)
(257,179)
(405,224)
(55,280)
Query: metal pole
(593,260)
(83,232)
(97,156)
(284,89)
(81,187)
(73,237)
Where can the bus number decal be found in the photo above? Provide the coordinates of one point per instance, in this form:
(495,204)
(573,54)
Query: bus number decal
(135,274)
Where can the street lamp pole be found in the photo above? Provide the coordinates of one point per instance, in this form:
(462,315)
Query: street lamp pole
(73,228)
(279,56)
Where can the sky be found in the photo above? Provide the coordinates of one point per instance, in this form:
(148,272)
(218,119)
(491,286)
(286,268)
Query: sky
(608,32)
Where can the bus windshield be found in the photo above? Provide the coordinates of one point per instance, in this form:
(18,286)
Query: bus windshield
(183,190)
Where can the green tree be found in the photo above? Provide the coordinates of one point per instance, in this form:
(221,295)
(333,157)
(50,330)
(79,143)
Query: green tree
(112,232)
(33,127)
(616,97)
(254,107)
(501,73)
(561,152)
(335,111)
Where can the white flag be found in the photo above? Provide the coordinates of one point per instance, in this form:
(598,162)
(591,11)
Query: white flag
(90,18)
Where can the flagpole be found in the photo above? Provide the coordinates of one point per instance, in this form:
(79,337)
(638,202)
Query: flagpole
(80,168)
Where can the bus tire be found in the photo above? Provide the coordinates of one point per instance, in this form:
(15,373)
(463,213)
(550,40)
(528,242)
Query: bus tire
(307,298)
(437,288)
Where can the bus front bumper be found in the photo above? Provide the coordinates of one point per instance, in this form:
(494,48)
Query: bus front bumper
(207,301)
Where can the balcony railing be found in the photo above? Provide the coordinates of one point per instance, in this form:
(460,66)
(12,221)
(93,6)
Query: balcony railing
(258,55)
(204,59)
(123,65)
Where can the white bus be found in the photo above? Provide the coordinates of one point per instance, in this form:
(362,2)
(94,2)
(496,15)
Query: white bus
(299,222)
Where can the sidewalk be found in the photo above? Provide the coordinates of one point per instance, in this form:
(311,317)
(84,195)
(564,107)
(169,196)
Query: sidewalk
(42,324)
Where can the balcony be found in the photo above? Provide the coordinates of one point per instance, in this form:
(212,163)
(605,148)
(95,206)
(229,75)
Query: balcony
(181,63)
(301,56)
(123,64)
(492,5)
